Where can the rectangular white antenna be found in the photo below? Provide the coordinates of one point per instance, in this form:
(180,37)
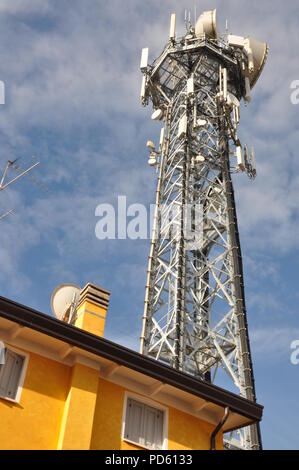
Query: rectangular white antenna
(143,83)
(194,113)
(172,27)
(162,135)
(248,90)
(224,74)
(246,157)
(237,41)
(190,86)
(235,117)
(240,158)
(220,80)
(144,59)
(182,127)
(236,111)
(253,164)
(250,59)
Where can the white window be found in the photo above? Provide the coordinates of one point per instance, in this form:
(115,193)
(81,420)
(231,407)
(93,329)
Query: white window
(144,424)
(12,373)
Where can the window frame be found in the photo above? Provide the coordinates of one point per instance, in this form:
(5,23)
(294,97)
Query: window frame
(153,404)
(25,356)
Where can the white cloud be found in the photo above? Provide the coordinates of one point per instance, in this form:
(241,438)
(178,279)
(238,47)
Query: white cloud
(83,72)
(24,6)
(73,100)
(273,343)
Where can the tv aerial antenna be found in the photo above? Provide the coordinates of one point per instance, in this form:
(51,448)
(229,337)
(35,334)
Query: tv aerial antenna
(4,183)
(188,23)
(35,181)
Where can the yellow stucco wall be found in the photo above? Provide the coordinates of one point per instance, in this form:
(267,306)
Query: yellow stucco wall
(72,408)
(76,424)
(34,422)
(185,432)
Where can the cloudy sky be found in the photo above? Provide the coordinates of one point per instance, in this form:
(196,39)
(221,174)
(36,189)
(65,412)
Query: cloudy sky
(71,71)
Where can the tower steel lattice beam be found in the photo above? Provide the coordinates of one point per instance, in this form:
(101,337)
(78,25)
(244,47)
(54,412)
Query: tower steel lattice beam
(194,313)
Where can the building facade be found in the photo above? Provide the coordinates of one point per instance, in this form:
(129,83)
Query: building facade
(64,386)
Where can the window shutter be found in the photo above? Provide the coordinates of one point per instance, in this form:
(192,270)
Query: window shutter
(144,424)
(150,426)
(134,421)
(153,428)
(10,374)
(159,429)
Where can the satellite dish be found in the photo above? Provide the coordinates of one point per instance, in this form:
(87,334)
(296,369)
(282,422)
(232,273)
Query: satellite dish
(207,24)
(200,159)
(62,299)
(232,100)
(150,145)
(257,55)
(157,115)
(200,123)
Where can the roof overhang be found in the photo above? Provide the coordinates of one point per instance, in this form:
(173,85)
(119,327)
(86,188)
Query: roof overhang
(33,331)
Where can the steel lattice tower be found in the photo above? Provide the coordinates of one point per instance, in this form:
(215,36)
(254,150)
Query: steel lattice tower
(195,316)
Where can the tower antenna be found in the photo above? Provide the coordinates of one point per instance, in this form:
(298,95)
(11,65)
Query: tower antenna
(4,184)
(194,317)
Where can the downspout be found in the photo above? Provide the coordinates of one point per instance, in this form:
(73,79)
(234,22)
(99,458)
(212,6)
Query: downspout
(218,427)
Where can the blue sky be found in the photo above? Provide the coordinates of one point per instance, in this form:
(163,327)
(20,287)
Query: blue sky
(71,70)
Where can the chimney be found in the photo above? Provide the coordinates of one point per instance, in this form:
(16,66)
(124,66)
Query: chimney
(92,309)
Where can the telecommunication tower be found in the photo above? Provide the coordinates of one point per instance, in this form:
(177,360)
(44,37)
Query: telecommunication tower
(194,315)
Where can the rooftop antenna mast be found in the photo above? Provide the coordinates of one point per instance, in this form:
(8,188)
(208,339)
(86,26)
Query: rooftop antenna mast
(186,22)
(226,28)
(194,316)
(4,184)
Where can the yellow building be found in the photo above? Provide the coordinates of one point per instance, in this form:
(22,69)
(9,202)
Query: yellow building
(64,386)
